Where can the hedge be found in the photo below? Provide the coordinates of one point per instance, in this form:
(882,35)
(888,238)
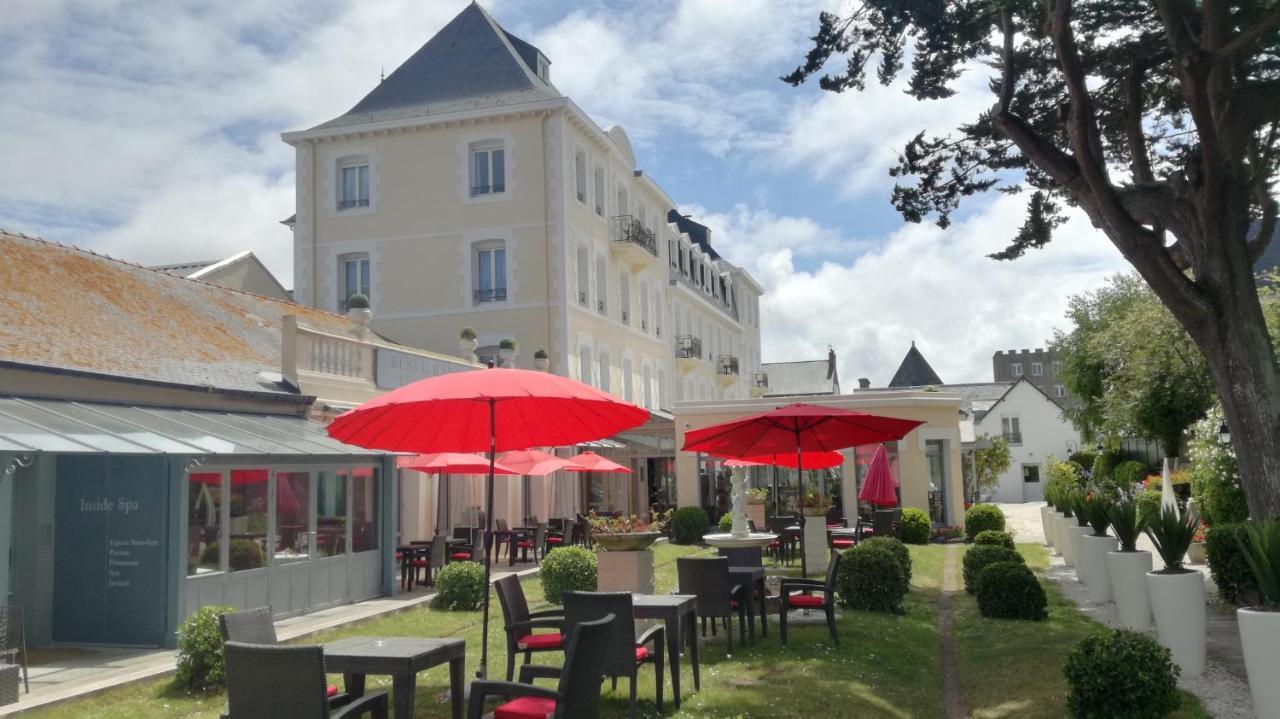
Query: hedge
(870,580)
(899,552)
(688,525)
(977,557)
(982,517)
(914,526)
(1227,564)
(991,537)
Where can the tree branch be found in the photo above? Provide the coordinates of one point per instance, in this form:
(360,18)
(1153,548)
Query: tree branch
(1242,42)
(1266,229)
(1008,77)
(1139,163)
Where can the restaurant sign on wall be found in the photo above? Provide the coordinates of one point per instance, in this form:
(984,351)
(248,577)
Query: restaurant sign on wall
(397,369)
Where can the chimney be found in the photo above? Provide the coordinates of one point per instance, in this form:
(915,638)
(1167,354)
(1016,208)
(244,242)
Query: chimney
(864,383)
(831,362)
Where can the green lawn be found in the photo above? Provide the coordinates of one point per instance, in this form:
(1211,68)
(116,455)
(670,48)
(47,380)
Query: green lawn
(885,666)
(1014,668)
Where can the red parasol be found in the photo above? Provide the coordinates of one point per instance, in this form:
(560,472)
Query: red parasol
(533,462)
(592,462)
(878,487)
(810,460)
(452,463)
(489,410)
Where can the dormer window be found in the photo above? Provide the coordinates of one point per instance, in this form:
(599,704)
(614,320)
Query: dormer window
(353,182)
(488,168)
(544,68)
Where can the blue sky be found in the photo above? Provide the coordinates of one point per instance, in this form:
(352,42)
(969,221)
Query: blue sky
(149,130)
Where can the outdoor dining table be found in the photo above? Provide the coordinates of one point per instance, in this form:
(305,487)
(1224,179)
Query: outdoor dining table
(752,577)
(679,614)
(402,658)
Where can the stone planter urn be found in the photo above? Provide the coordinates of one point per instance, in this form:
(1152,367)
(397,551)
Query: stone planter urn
(625,562)
(1076,535)
(755,512)
(359,318)
(542,364)
(1044,524)
(1195,553)
(1177,601)
(1260,634)
(1094,550)
(467,348)
(1127,572)
(508,357)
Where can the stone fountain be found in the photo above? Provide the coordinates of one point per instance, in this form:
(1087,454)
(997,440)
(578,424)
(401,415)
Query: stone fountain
(739,534)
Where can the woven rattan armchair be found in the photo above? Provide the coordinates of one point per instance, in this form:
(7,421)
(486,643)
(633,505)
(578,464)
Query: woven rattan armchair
(254,626)
(576,697)
(13,640)
(272,681)
(520,623)
(796,593)
(707,578)
(625,653)
(536,544)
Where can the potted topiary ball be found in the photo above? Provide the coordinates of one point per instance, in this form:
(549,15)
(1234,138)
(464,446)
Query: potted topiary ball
(507,352)
(467,343)
(1177,593)
(541,361)
(358,312)
(1260,625)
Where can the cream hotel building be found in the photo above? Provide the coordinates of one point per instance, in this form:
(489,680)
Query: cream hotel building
(466,191)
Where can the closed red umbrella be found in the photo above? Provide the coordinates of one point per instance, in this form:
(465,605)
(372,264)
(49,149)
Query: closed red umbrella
(878,487)
(489,410)
(592,462)
(452,463)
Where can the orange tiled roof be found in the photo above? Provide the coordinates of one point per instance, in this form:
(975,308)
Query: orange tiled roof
(73,309)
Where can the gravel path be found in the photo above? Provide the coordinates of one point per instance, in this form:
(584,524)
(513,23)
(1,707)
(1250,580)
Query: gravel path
(953,703)
(1222,688)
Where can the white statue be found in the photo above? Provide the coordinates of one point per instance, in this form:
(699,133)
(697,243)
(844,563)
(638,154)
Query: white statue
(738,496)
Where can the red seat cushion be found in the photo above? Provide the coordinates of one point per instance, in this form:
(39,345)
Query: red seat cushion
(843,543)
(526,708)
(399,555)
(331,690)
(524,544)
(460,555)
(419,563)
(805,600)
(834,525)
(642,653)
(555,540)
(541,641)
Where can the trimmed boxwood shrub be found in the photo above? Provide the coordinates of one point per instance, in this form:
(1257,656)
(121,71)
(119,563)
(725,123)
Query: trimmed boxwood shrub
(688,525)
(899,552)
(1148,506)
(914,526)
(726,522)
(245,554)
(460,587)
(990,537)
(568,569)
(870,580)
(1009,590)
(1121,674)
(1227,564)
(977,557)
(200,663)
(1129,474)
(982,517)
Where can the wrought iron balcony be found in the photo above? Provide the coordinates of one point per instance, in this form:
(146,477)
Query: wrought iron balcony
(600,306)
(477,190)
(625,317)
(688,347)
(628,229)
(348,204)
(1013,437)
(496,294)
(727,364)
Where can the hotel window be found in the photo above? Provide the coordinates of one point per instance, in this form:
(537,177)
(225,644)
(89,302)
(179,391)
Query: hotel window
(599,190)
(584,365)
(603,371)
(671,253)
(331,513)
(1011,430)
(364,509)
(584,272)
(644,306)
(1016,369)
(1059,391)
(602,285)
(644,215)
(622,200)
(580,174)
(1057,366)
(488,168)
(684,268)
(646,385)
(628,382)
(1037,369)
(353,182)
(624,297)
(544,68)
(489,265)
(353,277)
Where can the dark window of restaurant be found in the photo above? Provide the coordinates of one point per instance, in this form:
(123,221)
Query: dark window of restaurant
(364,509)
(248,530)
(204,522)
(331,513)
(293,503)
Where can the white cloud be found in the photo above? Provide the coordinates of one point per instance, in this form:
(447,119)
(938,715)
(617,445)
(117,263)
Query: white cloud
(920,283)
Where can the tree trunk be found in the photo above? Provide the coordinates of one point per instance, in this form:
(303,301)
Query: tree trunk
(1242,363)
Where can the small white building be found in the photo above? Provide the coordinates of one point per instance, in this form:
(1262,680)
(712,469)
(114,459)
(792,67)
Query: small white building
(1033,424)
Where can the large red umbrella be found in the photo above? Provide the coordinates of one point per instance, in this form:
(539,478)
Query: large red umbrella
(811,460)
(533,462)
(486,410)
(797,428)
(452,463)
(878,487)
(592,462)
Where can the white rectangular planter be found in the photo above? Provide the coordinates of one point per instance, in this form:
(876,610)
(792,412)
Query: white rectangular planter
(1093,563)
(625,571)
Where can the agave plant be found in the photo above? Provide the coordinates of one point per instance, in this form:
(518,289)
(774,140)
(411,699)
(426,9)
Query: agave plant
(1262,552)
(1080,508)
(1123,516)
(1096,507)
(1172,535)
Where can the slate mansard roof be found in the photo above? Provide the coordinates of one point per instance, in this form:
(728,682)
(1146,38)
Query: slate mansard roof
(471,63)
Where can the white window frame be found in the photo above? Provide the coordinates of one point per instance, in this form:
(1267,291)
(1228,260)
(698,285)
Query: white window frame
(603,371)
(1037,369)
(1016,369)
(1011,428)
(500,282)
(343,290)
(493,189)
(1059,391)
(340,202)
(599,190)
(624,297)
(602,285)
(580,175)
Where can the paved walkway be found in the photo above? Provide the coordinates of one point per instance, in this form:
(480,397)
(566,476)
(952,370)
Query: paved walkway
(60,674)
(953,703)
(1224,686)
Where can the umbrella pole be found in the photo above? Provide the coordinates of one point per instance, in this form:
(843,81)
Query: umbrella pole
(804,564)
(483,671)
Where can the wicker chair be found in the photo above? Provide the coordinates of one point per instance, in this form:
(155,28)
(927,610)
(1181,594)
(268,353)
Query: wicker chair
(707,578)
(798,593)
(254,626)
(468,551)
(743,556)
(625,653)
(271,681)
(783,548)
(576,697)
(520,623)
(536,544)
(13,640)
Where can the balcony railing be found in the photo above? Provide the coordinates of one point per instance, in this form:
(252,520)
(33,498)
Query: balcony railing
(761,380)
(688,347)
(727,364)
(625,317)
(348,204)
(628,229)
(496,294)
(1013,437)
